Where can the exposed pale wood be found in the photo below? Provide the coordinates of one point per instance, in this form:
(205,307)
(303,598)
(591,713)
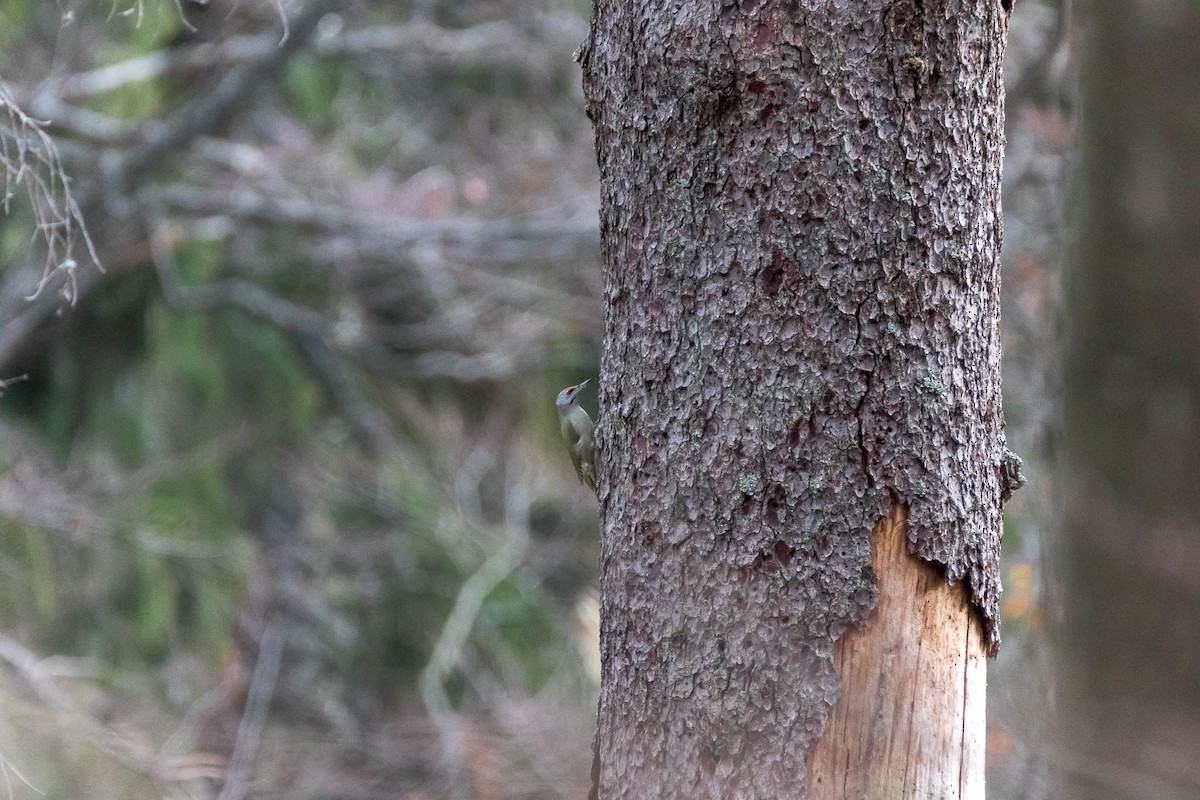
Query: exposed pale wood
(910,717)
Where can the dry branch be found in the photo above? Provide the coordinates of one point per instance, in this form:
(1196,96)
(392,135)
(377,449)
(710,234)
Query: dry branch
(31,161)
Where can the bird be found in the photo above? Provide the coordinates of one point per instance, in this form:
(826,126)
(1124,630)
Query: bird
(578,431)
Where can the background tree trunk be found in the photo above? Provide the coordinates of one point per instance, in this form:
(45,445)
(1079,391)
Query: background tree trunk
(1131,638)
(801,229)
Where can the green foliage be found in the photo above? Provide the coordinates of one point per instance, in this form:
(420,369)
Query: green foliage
(309,88)
(136,29)
(164,419)
(14,17)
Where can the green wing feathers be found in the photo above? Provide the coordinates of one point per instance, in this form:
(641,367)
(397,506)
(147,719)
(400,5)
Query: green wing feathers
(578,432)
(586,470)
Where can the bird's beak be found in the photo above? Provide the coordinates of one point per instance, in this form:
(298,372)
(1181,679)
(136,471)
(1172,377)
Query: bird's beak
(582,384)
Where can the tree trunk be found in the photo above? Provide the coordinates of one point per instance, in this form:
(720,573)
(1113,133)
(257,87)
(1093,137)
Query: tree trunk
(801,230)
(1131,637)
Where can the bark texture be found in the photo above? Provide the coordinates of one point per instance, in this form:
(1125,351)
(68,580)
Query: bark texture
(801,230)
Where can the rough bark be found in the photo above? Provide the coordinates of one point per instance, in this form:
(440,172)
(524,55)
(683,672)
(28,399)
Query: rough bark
(801,229)
(1131,635)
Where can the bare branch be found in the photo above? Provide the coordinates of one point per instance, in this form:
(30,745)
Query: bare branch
(212,109)
(448,651)
(30,160)
(7,382)
(163,140)
(491,40)
(283,20)
(580,234)
(7,767)
(367,422)
(238,293)
(308,323)
(254,719)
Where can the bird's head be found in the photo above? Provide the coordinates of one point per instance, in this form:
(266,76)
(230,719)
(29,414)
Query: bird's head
(570,395)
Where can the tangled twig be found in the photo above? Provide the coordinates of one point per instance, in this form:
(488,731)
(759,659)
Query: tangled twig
(30,160)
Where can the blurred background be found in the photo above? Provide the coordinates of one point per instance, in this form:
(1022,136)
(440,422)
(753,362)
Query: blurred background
(283,508)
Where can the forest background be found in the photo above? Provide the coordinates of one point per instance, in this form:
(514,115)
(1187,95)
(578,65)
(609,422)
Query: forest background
(283,507)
